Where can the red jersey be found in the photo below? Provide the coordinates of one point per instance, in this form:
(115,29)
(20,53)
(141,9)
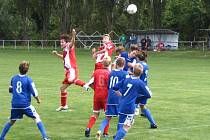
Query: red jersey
(109,46)
(69,58)
(101,78)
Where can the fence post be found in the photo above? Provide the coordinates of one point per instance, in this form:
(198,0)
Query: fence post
(43,44)
(28,44)
(55,45)
(15,44)
(3,44)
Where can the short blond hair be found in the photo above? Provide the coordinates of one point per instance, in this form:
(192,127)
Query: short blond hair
(106,61)
(138,69)
(23,67)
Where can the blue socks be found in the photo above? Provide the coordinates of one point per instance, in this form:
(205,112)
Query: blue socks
(5,130)
(103,125)
(148,114)
(120,134)
(42,129)
(8,126)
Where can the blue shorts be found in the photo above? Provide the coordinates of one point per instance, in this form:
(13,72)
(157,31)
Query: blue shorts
(142,100)
(125,119)
(112,110)
(17,113)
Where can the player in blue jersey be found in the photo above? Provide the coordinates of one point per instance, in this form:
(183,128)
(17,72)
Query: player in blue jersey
(130,59)
(129,89)
(141,59)
(142,100)
(112,108)
(22,88)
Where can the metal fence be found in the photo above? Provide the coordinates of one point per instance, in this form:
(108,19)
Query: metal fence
(89,43)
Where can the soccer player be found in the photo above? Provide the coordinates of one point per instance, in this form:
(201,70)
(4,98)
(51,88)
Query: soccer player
(112,108)
(142,100)
(105,50)
(22,88)
(130,59)
(129,89)
(70,66)
(101,78)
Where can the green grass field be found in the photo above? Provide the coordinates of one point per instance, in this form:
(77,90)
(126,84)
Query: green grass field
(179,80)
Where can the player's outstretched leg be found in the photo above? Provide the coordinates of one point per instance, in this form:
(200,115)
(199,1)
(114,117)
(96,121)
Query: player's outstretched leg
(79,82)
(41,128)
(6,129)
(90,125)
(104,124)
(121,133)
(63,101)
(148,114)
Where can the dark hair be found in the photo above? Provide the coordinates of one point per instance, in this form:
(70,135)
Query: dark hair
(120,62)
(134,47)
(141,56)
(65,37)
(23,67)
(119,49)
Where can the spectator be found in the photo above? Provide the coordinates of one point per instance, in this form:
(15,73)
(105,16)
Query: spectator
(132,40)
(143,43)
(123,39)
(148,43)
(160,47)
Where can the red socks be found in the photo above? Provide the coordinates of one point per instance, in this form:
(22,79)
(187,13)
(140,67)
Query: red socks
(91,122)
(79,82)
(63,98)
(106,129)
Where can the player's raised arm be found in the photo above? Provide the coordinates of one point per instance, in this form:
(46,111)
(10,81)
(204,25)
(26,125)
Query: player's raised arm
(73,39)
(57,54)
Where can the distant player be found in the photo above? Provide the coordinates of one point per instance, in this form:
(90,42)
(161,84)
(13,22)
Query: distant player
(142,100)
(112,109)
(129,89)
(70,66)
(22,88)
(100,86)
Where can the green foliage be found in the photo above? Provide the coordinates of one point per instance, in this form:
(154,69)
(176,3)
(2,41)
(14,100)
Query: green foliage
(46,19)
(185,17)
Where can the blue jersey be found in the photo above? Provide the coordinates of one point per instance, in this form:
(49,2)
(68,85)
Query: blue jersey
(130,88)
(127,59)
(22,89)
(115,76)
(144,75)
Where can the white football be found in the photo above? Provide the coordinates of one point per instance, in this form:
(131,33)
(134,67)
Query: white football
(132,9)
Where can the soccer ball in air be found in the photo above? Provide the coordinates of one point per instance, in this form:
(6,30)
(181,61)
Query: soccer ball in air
(131,9)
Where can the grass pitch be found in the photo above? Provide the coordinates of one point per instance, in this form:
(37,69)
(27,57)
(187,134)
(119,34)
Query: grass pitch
(179,80)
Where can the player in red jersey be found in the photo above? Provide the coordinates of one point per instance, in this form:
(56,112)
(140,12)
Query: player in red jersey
(105,50)
(101,78)
(70,66)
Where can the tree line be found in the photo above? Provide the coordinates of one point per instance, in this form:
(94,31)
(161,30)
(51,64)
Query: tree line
(47,19)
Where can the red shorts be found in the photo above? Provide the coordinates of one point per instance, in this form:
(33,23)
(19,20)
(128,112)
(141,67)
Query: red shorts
(71,74)
(99,104)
